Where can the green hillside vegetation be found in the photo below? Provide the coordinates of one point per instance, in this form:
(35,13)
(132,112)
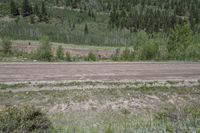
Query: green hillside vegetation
(151,30)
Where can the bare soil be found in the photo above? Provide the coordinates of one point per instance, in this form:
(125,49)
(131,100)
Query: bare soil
(24,72)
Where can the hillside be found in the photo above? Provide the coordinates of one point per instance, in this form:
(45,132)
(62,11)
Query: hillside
(146,26)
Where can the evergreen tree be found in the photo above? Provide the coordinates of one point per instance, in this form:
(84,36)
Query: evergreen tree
(56,2)
(36,10)
(67,3)
(26,8)
(13,9)
(43,15)
(43,10)
(153,15)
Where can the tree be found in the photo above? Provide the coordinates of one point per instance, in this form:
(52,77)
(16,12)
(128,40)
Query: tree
(43,16)
(26,8)
(60,53)
(179,40)
(36,10)
(56,2)
(13,9)
(86,31)
(6,46)
(44,52)
(43,10)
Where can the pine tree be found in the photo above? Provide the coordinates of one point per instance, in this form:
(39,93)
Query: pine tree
(67,3)
(36,10)
(43,15)
(13,9)
(26,8)
(43,10)
(56,2)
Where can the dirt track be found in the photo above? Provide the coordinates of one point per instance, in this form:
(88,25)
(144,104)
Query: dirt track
(21,72)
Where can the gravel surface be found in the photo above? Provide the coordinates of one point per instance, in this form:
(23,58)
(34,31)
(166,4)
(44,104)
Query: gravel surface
(167,71)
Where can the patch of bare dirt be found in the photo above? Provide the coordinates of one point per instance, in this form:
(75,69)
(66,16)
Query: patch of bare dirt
(74,52)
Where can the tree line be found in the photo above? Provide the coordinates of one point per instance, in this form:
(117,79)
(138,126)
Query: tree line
(153,15)
(28,9)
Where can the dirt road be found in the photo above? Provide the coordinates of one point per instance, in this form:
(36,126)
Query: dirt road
(21,72)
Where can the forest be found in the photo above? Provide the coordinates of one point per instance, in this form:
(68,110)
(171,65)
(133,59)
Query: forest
(148,29)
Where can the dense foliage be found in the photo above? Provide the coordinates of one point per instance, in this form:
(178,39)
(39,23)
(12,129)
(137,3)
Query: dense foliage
(44,52)
(24,119)
(153,29)
(154,15)
(6,46)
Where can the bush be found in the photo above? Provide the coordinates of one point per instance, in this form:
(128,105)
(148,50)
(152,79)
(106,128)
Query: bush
(149,51)
(192,52)
(127,55)
(68,57)
(179,40)
(91,57)
(6,46)
(44,52)
(116,55)
(60,53)
(24,120)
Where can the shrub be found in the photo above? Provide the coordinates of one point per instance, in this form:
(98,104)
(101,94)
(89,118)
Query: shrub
(60,53)
(149,51)
(6,46)
(68,56)
(192,52)
(44,52)
(127,55)
(91,57)
(116,55)
(24,120)
(179,40)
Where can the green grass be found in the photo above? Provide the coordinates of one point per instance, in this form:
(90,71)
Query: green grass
(87,110)
(180,120)
(11,86)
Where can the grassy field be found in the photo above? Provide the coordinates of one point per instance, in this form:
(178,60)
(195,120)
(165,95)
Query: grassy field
(111,107)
